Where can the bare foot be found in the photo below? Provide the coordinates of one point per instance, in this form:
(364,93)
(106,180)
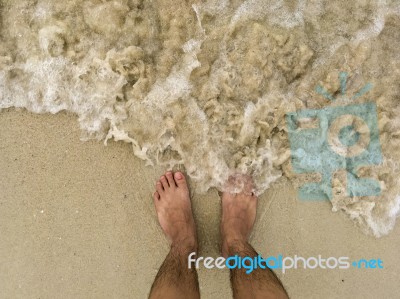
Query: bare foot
(174,210)
(238,213)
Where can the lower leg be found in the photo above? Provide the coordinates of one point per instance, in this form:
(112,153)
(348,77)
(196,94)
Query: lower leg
(175,280)
(260,283)
(238,216)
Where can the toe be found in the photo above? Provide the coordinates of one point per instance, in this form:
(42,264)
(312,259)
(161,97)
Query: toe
(159,187)
(164,182)
(170,179)
(156,201)
(180,180)
(156,198)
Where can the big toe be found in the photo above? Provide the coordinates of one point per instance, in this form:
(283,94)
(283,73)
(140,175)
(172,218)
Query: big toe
(180,179)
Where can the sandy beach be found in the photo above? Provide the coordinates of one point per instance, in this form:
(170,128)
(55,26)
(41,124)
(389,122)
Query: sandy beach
(77,221)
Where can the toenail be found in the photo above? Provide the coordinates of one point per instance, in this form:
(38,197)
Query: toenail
(178,175)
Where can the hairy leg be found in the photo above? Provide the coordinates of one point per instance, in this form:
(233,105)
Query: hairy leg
(172,202)
(261,283)
(238,216)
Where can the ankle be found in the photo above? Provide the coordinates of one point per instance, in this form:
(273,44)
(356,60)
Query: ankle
(185,246)
(232,246)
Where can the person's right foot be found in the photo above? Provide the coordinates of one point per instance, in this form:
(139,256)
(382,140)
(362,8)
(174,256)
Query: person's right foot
(174,211)
(238,214)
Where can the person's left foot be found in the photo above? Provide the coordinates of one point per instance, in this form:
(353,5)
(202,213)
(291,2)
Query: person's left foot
(238,213)
(174,210)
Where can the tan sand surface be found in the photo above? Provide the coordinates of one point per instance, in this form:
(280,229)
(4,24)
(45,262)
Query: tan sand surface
(77,221)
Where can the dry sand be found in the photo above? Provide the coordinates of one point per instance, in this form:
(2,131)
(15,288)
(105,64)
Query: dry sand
(77,221)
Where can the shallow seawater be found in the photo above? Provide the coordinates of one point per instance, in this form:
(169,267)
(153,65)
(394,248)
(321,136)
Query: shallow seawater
(207,85)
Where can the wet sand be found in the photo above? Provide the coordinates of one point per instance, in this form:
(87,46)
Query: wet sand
(77,221)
